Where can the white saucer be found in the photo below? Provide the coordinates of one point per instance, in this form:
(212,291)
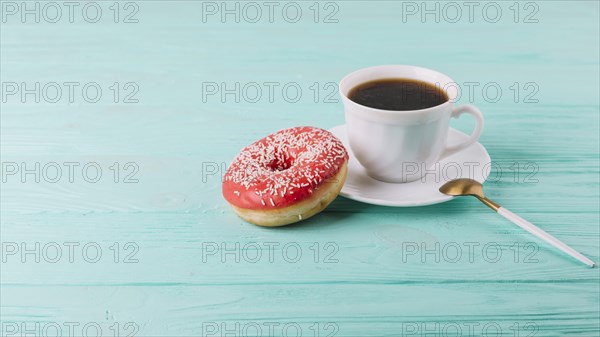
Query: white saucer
(360,187)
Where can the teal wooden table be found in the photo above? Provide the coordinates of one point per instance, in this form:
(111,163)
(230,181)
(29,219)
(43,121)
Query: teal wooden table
(118,120)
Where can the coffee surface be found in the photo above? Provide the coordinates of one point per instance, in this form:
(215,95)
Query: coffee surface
(398,94)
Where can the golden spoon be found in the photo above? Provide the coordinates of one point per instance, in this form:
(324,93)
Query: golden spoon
(463,186)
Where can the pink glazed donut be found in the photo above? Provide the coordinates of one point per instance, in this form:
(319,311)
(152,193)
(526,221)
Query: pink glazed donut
(287,176)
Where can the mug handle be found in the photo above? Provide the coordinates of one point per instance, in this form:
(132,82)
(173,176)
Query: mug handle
(456,112)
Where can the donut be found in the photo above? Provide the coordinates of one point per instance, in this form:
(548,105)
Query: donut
(286,177)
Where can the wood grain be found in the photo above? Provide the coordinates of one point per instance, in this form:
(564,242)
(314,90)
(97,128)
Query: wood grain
(176,261)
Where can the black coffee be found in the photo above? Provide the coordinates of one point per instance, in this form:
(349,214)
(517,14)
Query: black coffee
(398,94)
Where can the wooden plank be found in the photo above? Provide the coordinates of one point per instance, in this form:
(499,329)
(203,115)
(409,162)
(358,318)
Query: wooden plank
(349,309)
(218,248)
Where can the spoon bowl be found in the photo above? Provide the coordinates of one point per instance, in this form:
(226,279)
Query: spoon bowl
(463,186)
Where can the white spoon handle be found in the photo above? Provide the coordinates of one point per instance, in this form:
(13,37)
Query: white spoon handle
(531,228)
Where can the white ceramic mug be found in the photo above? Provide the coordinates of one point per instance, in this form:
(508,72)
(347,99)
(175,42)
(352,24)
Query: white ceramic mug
(398,146)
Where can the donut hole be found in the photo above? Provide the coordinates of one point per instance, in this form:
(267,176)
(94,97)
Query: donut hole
(279,165)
